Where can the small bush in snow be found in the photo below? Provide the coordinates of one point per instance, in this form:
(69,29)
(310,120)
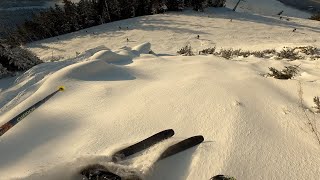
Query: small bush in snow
(186,51)
(236,52)
(229,53)
(15,59)
(316,16)
(269,51)
(288,53)
(244,53)
(287,73)
(316,100)
(226,53)
(309,50)
(208,51)
(258,54)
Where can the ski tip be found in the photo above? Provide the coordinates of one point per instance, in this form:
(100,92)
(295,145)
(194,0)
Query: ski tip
(198,138)
(169,132)
(61,88)
(222,177)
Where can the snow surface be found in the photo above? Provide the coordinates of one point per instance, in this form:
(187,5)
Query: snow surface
(117,93)
(267,7)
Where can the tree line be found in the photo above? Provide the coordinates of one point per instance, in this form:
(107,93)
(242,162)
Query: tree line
(72,17)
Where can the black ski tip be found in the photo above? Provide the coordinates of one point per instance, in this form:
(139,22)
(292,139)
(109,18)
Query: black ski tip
(142,145)
(198,138)
(167,132)
(181,146)
(222,177)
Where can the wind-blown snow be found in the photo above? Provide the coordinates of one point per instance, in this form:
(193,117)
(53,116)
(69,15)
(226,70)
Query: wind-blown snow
(117,93)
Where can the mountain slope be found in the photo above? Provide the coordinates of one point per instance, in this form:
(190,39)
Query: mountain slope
(267,7)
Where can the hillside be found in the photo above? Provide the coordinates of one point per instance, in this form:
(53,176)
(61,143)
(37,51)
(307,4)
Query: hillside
(268,7)
(123,85)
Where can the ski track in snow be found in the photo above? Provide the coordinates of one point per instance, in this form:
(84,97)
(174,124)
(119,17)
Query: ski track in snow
(116,95)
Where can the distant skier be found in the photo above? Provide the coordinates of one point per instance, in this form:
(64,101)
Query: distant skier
(280,13)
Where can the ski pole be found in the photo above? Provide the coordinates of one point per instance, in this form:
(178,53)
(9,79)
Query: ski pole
(4,128)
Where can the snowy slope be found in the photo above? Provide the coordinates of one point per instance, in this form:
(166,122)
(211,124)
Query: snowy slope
(267,7)
(116,94)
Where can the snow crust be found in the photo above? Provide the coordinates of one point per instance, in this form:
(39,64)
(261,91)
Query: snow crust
(117,94)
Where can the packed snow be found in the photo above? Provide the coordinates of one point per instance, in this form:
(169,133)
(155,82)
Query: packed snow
(122,86)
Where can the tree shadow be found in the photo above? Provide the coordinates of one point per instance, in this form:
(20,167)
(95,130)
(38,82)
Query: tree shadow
(7,82)
(42,46)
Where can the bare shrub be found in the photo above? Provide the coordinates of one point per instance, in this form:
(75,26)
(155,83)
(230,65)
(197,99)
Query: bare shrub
(316,100)
(269,51)
(186,51)
(236,52)
(258,54)
(226,53)
(309,50)
(288,53)
(245,53)
(311,122)
(287,73)
(315,16)
(208,51)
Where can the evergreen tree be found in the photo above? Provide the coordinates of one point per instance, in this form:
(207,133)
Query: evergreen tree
(60,20)
(87,13)
(197,5)
(127,9)
(143,7)
(102,7)
(114,9)
(156,6)
(175,5)
(72,16)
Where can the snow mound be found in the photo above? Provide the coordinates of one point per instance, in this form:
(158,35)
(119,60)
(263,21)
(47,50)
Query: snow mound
(122,56)
(112,57)
(96,70)
(92,51)
(142,48)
